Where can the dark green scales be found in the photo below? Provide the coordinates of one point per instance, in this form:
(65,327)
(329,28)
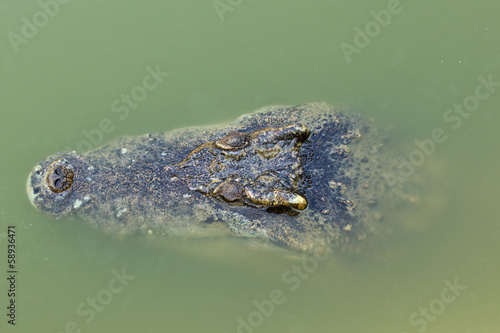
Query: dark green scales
(302,177)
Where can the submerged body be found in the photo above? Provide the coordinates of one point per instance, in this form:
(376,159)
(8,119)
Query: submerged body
(302,177)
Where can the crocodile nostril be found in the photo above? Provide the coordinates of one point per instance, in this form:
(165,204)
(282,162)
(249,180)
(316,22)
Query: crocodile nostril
(58,171)
(59,178)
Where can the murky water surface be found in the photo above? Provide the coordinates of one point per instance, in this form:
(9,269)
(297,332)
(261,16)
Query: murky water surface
(75,75)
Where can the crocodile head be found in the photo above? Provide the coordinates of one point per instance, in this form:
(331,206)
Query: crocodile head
(258,169)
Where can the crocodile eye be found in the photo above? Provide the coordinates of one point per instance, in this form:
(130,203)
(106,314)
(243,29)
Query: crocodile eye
(59,178)
(229,191)
(233,141)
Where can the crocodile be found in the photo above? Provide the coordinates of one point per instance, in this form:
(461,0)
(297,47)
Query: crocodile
(302,177)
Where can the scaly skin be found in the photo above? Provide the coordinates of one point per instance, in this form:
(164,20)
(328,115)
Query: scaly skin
(304,177)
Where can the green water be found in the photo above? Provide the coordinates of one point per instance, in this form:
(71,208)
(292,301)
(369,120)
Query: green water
(63,78)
